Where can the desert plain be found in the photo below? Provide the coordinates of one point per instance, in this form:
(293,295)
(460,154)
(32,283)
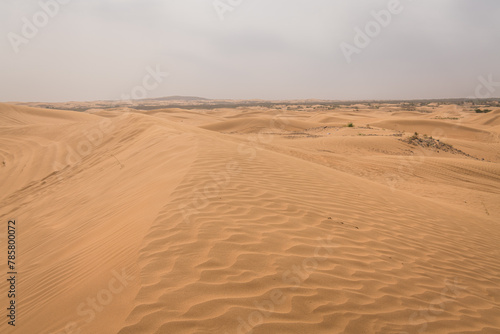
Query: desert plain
(302,217)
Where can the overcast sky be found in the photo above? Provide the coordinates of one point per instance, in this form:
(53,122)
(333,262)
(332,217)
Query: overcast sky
(268,49)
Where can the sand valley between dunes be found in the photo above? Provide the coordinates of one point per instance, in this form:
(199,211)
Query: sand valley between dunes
(253,219)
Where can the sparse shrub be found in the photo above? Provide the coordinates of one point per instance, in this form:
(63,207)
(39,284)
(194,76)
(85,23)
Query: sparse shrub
(350,125)
(484,111)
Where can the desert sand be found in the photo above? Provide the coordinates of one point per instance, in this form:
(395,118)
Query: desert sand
(253,219)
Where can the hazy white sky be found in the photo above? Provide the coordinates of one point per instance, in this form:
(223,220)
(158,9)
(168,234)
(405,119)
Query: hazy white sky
(269,49)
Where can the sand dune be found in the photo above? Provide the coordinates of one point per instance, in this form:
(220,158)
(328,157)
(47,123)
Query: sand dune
(264,221)
(491,119)
(436,128)
(20,115)
(255,125)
